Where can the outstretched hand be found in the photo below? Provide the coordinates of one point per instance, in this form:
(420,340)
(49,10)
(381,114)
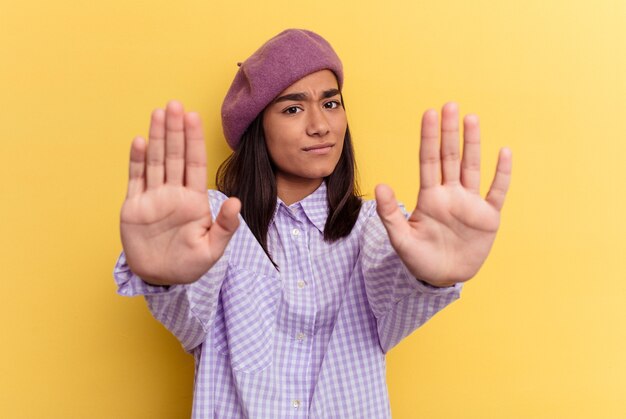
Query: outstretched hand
(450,233)
(168,234)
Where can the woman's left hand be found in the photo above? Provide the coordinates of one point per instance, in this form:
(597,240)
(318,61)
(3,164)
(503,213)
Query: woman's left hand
(450,233)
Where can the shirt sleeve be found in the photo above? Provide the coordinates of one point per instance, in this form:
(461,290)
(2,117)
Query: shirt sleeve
(185,310)
(400,302)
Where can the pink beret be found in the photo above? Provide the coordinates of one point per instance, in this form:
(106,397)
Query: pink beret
(280,62)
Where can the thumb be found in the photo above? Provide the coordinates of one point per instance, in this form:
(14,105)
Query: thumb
(389,212)
(225,225)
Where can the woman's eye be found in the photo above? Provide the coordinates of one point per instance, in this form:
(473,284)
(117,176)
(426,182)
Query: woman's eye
(332,104)
(292,109)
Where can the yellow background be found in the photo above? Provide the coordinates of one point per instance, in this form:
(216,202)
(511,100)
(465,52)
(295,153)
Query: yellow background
(539,333)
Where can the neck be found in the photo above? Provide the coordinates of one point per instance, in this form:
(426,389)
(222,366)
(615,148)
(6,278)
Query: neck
(292,190)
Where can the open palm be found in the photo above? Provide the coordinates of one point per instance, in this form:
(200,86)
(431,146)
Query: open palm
(167,230)
(450,233)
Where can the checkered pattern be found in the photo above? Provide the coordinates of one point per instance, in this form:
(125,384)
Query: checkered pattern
(306,341)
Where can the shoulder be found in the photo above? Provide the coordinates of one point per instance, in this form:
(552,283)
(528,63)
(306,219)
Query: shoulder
(368,210)
(369,219)
(243,251)
(216,198)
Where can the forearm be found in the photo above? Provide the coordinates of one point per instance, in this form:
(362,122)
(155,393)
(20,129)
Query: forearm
(185,310)
(399,301)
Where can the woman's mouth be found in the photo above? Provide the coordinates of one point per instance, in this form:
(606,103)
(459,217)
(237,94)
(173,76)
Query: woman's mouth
(323,148)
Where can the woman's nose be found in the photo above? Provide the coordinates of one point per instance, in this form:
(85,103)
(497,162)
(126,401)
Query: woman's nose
(317,123)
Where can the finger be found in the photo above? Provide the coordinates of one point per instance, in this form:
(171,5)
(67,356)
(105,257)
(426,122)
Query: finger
(389,212)
(470,165)
(225,225)
(501,180)
(430,160)
(195,159)
(450,143)
(155,170)
(174,144)
(137,166)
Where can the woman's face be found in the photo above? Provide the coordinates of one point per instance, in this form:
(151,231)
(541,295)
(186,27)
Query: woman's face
(304,129)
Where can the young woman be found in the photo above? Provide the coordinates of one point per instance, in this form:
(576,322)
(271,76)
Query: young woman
(290,308)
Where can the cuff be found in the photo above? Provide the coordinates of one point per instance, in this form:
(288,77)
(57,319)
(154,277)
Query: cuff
(426,288)
(130,285)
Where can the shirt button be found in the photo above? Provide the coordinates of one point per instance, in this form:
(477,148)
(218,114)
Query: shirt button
(301,284)
(296,404)
(300,336)
(295,232)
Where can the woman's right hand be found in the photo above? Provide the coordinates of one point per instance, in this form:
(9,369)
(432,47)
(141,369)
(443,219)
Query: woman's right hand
(168,234)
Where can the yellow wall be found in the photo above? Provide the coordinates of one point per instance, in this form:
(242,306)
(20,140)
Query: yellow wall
(540,333)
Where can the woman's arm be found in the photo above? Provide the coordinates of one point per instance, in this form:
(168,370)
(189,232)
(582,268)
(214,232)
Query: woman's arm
(173,247)
(400,302)
(186,310)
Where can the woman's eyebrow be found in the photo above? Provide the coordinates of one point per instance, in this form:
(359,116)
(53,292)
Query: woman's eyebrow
(297,97)
(329,93)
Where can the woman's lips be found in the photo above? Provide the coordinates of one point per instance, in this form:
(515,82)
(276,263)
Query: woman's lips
(319,148)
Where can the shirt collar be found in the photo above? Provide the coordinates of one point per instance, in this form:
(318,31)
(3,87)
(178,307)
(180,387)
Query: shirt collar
(314,206)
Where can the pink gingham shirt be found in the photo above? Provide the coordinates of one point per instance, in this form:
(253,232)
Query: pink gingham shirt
(307,341)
